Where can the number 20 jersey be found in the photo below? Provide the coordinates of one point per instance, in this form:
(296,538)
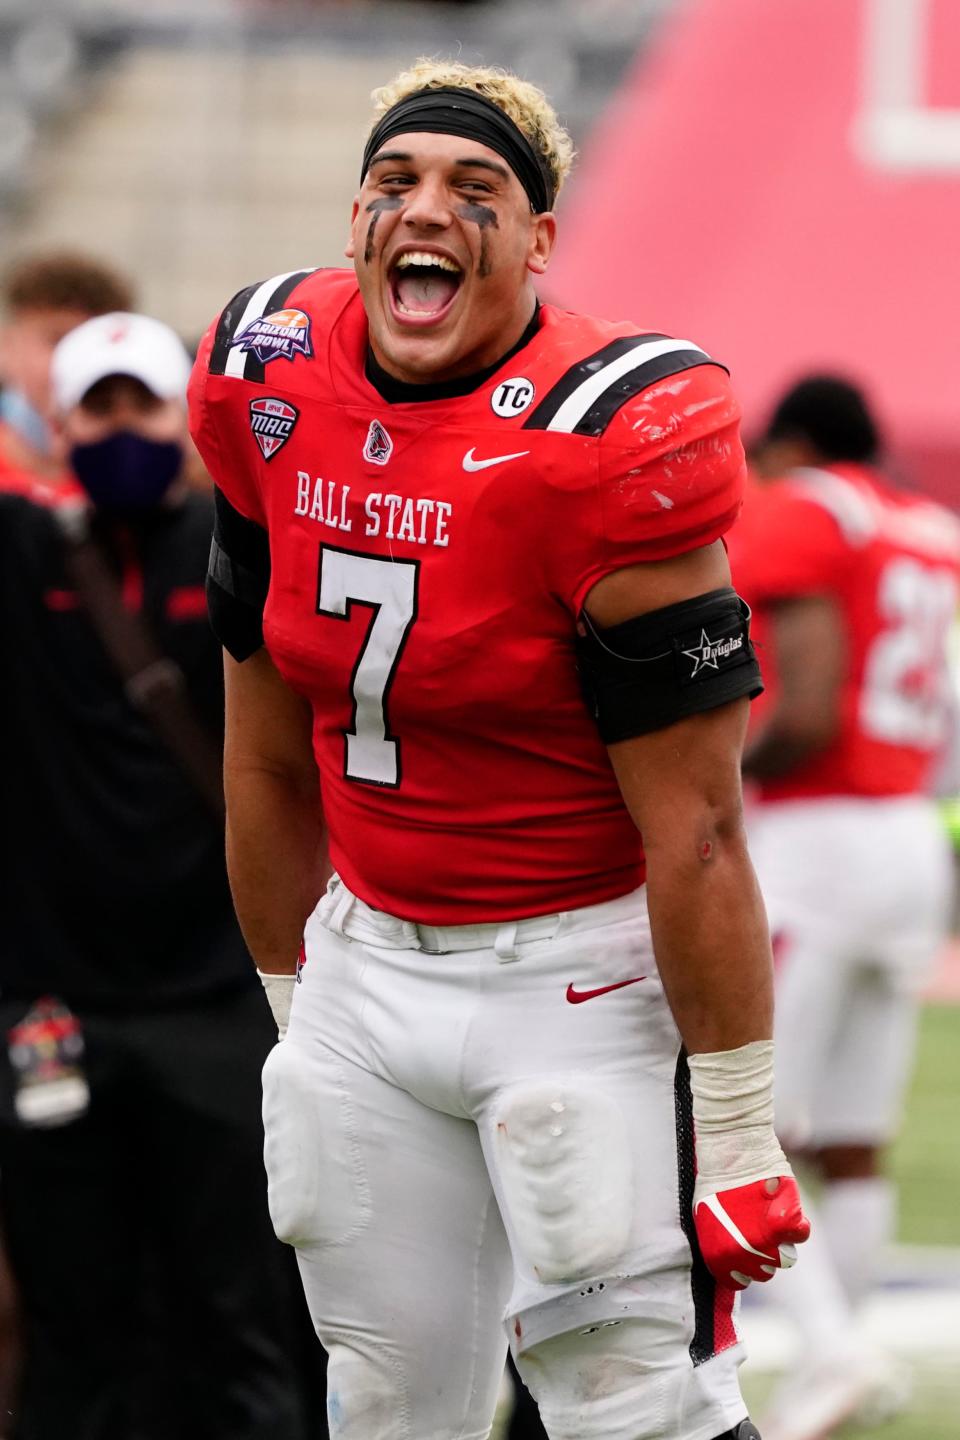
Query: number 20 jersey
(890,562)
(428,561)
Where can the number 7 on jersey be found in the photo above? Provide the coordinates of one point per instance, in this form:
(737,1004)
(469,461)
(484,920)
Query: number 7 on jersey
(389,588)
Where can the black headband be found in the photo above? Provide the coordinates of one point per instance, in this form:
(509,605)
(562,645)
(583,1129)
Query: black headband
(452,111)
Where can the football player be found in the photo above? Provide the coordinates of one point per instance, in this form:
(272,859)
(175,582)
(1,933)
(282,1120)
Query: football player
(436,500)
(854,586)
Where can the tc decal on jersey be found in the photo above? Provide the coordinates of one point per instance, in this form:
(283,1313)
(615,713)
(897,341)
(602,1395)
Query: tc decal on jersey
(512,397)
(378,446)
(272,422)
(283,334)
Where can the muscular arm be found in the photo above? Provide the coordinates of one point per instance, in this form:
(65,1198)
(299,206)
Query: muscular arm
(682,787)
(809,651)
(276,856)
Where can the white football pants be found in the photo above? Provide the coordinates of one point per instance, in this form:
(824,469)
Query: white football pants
(857,895)
(482,1133)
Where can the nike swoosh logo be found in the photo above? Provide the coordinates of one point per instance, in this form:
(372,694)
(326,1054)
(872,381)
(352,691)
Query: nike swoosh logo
(577,997)
(470,464)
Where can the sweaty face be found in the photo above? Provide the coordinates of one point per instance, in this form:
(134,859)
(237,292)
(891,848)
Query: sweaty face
(444,244)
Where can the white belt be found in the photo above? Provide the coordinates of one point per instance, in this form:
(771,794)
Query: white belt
(345,914)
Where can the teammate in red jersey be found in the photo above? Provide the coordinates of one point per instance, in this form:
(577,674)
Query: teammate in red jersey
(854,586)
(436,500)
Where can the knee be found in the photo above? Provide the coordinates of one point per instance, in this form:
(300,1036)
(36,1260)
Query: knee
(364,1400)
(565,1168)
(631,1380)
(597,1385)
(368,1399)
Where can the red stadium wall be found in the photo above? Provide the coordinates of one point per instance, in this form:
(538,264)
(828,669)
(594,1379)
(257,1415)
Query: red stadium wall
(781,183)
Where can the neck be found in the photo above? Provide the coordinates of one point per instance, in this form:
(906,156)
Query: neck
(397,388)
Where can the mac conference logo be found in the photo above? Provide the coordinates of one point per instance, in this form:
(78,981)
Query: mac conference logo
(272,421)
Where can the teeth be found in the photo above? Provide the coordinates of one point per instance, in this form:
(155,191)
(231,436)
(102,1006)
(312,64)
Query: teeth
(422,257)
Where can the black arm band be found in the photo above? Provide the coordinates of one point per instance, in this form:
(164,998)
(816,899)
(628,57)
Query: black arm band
(238,578)
(650,672)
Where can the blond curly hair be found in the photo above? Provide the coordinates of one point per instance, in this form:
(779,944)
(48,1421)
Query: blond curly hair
(525,104)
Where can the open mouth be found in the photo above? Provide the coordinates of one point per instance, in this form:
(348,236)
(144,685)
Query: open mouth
(423,286)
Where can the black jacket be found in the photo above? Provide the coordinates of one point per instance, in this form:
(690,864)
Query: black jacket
(113,887)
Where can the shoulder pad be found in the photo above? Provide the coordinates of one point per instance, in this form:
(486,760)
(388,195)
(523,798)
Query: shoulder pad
(260,302)
(585,399)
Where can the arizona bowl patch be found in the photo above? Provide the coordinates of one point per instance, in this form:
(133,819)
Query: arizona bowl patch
(272,422)
(283,334)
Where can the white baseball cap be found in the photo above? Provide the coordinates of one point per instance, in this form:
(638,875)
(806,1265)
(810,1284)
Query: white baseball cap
(119,344)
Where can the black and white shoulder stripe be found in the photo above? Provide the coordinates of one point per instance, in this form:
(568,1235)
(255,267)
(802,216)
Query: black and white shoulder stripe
(586,398)
(248,305)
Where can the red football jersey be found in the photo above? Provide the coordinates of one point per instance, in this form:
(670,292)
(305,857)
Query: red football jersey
(429,558)
(891,563)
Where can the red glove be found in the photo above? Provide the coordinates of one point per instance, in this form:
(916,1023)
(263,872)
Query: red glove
(749,1233)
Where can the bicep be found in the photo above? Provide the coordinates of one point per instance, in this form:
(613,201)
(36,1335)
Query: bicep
(638,589)
(690,767)
(268,726)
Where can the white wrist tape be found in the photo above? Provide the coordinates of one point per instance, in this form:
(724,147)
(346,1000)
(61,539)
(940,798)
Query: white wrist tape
(279,989)
(732,1094)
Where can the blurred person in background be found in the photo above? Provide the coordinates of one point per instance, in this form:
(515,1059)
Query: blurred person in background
(42,297)
(434,494)
(854,587)
(156,1301)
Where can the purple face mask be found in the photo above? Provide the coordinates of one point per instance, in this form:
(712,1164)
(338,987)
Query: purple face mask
(127,473)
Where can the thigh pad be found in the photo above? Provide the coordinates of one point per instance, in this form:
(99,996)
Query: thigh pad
(564,1156)
(316,1182)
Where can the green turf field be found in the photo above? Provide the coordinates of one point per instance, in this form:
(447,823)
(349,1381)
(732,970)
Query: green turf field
(927,1155)
(933,1412)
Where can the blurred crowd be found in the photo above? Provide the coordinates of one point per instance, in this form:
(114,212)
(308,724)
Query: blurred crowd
(149,1296)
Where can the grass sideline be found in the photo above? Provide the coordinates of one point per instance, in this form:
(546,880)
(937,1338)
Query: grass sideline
(926,1166)
(932,1414)
(926,1157)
